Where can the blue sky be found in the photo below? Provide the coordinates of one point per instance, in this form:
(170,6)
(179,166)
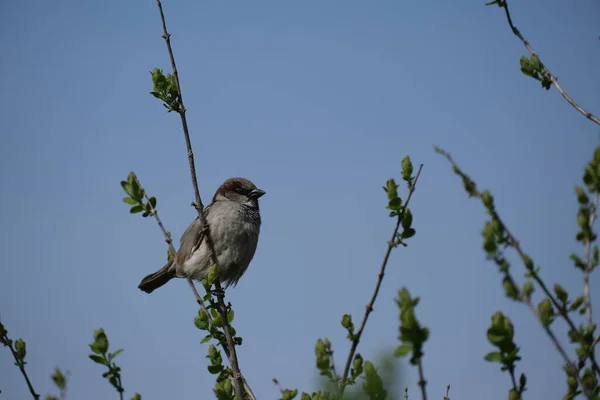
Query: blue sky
(317,103)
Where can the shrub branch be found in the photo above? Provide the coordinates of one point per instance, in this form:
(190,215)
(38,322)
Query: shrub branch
(504,4)
(369,307)
(238,382)
(19,359)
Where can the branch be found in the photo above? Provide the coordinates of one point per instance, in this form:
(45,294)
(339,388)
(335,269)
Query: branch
(369,307)
(552,77)
(589,263)
(19,361)
(514,243)
(154,212)
(238,381)
(422,381)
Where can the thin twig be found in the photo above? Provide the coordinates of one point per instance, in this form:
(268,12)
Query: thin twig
(169,240)
(238,381)
(447,391)
(369,307)
(588,262)
(553,78)
(422,381)
(9,343)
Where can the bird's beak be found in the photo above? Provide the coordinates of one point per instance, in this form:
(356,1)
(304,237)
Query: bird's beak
(256,193)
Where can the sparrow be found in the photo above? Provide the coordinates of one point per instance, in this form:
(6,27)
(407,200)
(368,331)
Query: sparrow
(234,220)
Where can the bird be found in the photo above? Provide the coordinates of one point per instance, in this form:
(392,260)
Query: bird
(234,221)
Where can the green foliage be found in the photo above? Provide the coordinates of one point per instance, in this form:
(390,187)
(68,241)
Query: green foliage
(412,335)
(101,356)
(60,380)
(165,89)
(397,207)
(137,198)
(223,388)
(501,335)
(324,357)
(349,326)
(556,304)
(534,68)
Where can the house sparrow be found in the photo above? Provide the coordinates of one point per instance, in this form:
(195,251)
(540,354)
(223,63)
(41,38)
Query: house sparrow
(234,221)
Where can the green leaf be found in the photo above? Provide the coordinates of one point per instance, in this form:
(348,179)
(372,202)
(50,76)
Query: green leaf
(112,356)
(510,289)
(527,68)
(395,204)
(98,359)
(347,321)
(391,188)
(528,288)
(546,312)
(206,339)
(59,379)
(157,95)
(561,293)
(127,187)
(215,369)
(212,275)
(488,200)
(201,320)
(373,385)
(582,197)
(100,345)
(522,382)
(21,348)
(217,320)
(137,396)
(493,356)
(407,219)
(578,302)
(408,233)
(136,209)
(407,169)
(357,366)
(536,63)
(528,262)
(402,350)
(129,200)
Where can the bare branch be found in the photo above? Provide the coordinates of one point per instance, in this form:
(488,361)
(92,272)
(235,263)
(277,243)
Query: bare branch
(422,381)
(553,78)
(369,307)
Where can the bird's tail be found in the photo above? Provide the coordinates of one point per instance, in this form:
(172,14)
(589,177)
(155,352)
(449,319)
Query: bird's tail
(157,279)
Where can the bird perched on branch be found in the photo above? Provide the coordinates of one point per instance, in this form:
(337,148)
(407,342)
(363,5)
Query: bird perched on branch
(234,221)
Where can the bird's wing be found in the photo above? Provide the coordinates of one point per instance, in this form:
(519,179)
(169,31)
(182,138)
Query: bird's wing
(190,240)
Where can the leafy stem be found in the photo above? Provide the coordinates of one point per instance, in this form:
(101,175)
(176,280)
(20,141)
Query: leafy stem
(536,69)
(180,109)
(393,242)
(18,350)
